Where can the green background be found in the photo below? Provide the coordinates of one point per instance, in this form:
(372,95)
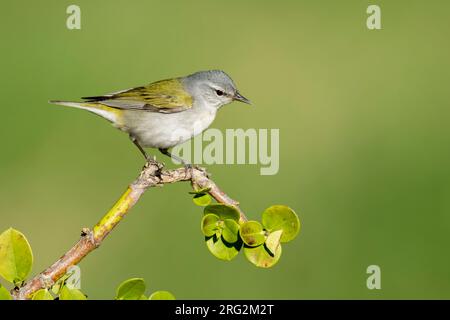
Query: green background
(364,129)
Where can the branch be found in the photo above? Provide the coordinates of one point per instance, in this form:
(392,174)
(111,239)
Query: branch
(151,175)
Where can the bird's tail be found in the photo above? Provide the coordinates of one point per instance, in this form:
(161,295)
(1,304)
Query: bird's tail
(109,113)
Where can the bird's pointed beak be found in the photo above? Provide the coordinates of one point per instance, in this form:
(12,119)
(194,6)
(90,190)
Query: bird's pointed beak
(241,98)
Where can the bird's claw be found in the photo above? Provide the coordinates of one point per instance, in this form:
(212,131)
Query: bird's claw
(151,161)
(190,168)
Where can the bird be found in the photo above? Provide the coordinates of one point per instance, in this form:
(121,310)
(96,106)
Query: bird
(165,113)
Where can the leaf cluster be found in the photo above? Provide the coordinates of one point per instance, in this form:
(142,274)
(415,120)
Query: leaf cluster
(226,234)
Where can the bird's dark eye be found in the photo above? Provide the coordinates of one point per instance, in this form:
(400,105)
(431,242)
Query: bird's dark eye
(219,92)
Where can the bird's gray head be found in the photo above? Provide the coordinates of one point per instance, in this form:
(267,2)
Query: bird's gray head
(214,86)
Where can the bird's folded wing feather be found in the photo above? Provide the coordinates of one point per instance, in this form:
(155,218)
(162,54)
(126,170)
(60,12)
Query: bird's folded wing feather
(165,96)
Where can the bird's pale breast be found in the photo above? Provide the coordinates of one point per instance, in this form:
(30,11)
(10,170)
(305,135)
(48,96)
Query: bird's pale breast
(161,130)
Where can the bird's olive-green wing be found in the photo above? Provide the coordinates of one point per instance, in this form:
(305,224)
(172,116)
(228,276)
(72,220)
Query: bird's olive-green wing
(165,96)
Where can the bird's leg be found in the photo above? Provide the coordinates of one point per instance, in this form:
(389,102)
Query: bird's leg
(145,154)
(187,165)
(167,153)
(149,159)
(136,143)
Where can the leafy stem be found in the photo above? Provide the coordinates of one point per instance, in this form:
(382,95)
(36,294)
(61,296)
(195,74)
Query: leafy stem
(151,175)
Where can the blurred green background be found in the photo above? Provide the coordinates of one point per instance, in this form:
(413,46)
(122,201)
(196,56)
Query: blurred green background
(363,118)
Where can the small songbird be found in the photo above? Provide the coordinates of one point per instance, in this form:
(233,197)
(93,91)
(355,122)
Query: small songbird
(165,113)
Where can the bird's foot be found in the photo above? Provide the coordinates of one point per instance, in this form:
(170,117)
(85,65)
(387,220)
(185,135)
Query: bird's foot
(151,161)
(189,168)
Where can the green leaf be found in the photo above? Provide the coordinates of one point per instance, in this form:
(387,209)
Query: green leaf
(56,287)
(16,258)
(273,241)
(143,297)
(210,224)
(43,294)
(221,249)
(200,191)
(161,295)
(202,199)
(71,294)
(261,257)
(230,230)
(66,280)
(131,289)
(252,233)
(4,294)
(281,218)
(223,211)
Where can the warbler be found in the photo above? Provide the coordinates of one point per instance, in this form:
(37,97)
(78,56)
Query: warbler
(165,113)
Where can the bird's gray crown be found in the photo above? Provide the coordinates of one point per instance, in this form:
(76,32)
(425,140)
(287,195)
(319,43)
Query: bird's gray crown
(217,77)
